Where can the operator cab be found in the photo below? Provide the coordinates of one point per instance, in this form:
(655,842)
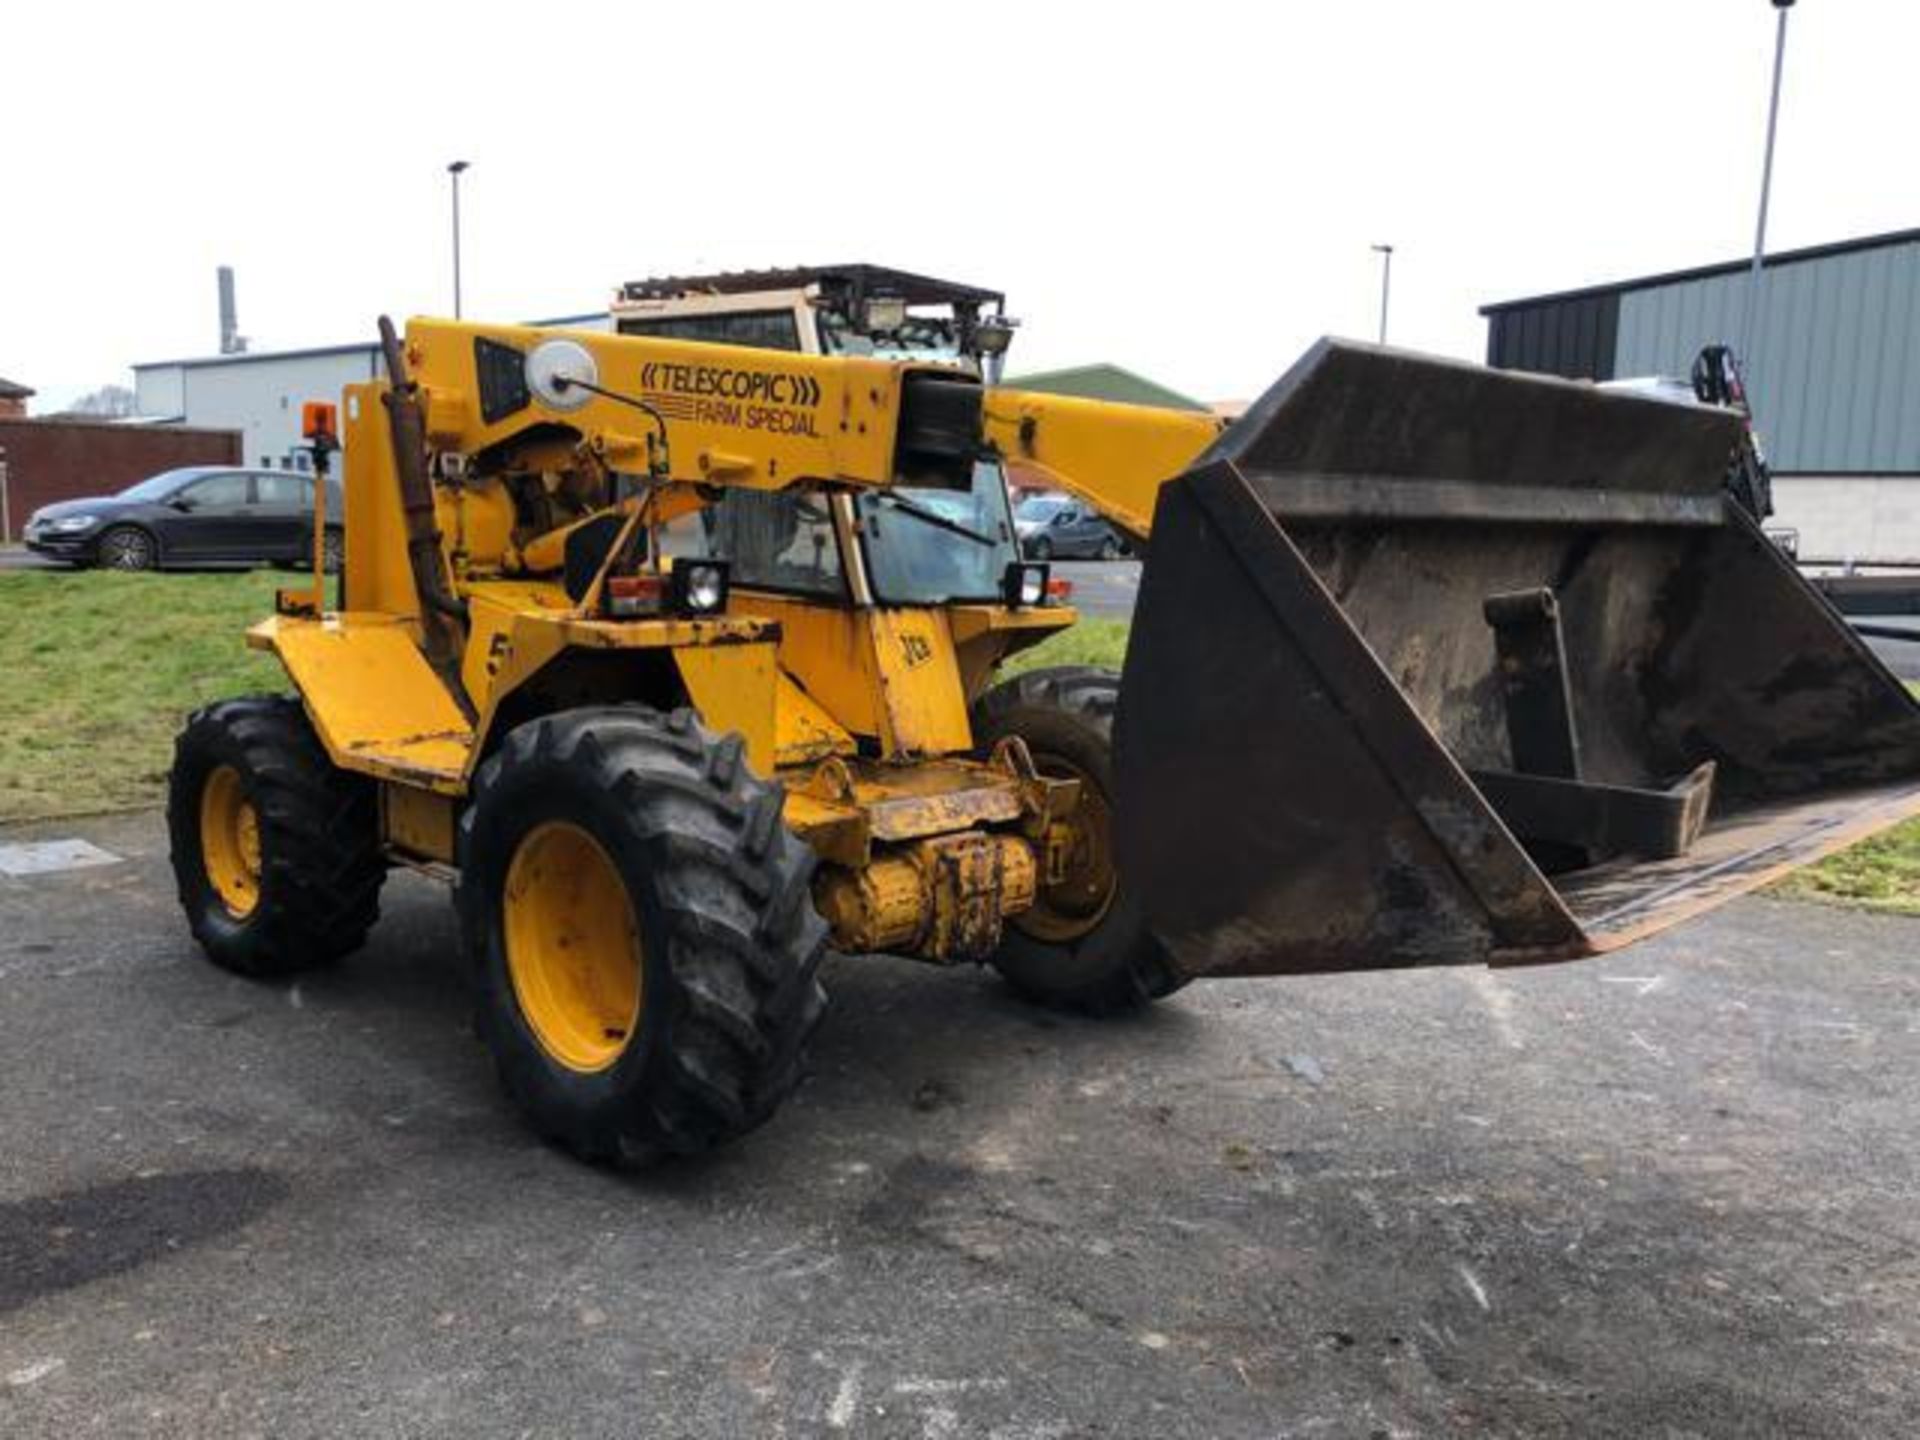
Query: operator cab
(918,545)
(863,310)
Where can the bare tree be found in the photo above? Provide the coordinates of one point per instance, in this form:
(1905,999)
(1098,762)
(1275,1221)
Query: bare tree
(109,401)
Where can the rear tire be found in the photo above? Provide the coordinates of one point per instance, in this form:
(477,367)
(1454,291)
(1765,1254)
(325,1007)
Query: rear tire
(126,547)
(1109,549)
(275,850)
(642,930)
(1085,945)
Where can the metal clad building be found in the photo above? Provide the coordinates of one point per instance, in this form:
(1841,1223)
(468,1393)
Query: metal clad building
(259,395)
(1834,373)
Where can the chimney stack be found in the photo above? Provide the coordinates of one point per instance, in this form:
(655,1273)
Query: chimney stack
(232,342)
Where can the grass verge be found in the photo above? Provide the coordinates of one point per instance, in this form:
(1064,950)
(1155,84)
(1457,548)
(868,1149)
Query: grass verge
(1878,874)
(97,670)
(1088,642)
(100,669)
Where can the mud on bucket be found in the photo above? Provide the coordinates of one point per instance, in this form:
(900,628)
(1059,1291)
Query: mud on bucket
(1438,664)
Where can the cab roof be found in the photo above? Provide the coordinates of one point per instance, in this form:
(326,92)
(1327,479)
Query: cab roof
(848,284)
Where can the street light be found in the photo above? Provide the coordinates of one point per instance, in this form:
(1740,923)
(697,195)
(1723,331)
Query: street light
(1751,320)
(1386,285)
(455,170)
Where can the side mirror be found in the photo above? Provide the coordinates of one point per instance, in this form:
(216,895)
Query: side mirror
(180,503)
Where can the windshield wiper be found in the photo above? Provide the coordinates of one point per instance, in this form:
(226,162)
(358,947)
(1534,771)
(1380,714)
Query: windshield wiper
(934,518)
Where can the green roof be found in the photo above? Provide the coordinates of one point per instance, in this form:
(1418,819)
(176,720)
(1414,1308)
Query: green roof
(1104,382)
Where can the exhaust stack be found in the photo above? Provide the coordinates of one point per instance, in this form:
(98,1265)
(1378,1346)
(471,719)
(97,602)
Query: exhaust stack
(232,342)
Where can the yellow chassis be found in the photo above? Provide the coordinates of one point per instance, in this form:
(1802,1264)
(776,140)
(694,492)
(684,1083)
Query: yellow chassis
(860,709)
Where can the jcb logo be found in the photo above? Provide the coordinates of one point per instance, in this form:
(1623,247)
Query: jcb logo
(916,649)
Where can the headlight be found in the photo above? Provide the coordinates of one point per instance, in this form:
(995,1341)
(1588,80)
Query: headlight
(700,587)
(1024,583)
(73,522)
(693,587)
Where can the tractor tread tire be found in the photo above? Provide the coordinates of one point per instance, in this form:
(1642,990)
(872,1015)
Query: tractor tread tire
(1131,969)
(733,944)
(321,868)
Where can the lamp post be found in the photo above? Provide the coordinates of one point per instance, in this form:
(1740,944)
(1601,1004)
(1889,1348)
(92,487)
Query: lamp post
(1386,285)
(455,170)
(1751,320)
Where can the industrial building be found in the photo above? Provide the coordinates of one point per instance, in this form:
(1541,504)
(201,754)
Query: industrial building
(1833,373)
(257,395)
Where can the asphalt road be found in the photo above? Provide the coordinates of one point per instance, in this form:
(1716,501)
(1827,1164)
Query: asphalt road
(1102,589)
(1675,1192)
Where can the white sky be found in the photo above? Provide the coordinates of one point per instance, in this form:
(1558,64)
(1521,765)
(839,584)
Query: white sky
(1187,189)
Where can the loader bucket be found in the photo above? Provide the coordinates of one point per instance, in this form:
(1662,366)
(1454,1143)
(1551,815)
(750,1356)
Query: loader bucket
(1436,664)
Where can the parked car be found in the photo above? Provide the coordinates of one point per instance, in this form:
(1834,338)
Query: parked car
(1061,527)
(201,515)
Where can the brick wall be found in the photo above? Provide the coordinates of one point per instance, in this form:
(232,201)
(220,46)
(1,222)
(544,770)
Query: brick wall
(50,460)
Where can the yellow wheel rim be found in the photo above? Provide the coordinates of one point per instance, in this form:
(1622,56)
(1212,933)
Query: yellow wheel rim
(1064,912)
(573,947)
(230,841)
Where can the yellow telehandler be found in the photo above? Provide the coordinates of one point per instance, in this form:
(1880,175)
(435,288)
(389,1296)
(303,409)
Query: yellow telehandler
(678,660)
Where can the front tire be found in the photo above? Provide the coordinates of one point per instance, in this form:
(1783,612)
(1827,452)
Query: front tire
(1041,549)
(642,930)
(126,547)
(1084,945)
(275,851)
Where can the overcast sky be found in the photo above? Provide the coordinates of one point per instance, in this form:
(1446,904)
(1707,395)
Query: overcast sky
(1188,189)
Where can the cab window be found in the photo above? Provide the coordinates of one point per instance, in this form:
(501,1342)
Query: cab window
(773,542)
(760,329)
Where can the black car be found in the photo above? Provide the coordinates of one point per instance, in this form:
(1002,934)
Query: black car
(202,515)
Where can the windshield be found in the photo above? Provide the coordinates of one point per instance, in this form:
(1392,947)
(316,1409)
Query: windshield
(913,559)
(922,337)
(158,487)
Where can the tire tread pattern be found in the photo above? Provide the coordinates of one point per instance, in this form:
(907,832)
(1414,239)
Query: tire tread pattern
(743,942)
(1089,695)
(321,869)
